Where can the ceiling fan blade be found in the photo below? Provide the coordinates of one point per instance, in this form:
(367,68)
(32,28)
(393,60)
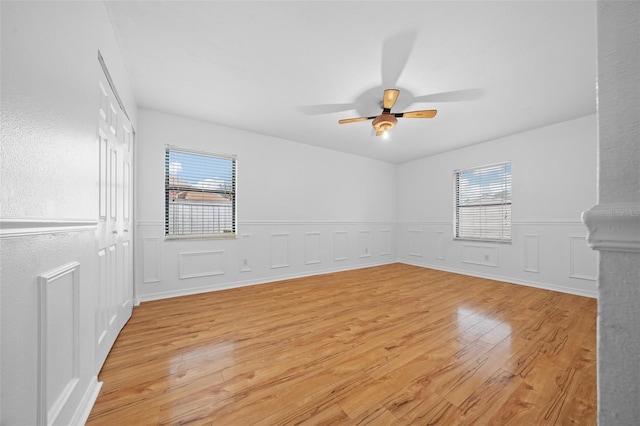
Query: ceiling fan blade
(452,96)
(325,109)
(395,55)
(426,113)
(354,120)
(390,97)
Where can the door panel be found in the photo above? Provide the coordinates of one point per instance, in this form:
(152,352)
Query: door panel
(115,295)
(101,312)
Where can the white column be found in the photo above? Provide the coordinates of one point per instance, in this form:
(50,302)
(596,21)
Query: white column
(614,224)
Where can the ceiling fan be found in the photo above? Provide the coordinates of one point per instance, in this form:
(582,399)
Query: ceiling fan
(395,55)
(387,119)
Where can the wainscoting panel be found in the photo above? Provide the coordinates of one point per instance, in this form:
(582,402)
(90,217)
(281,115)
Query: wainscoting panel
(364,239)
(151,250)
(263,251)
(340,245)
(531,253)
(280,250)
(59,333)
(246,253)
(582,259)
(415,243)
(545,254)
(480,255)
(385,242)
(201,264)
(440,245)
(312,248)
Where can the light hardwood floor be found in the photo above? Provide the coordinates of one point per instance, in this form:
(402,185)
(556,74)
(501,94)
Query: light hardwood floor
(388,345)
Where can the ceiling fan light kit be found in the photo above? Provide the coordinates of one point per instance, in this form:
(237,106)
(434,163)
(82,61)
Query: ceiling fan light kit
(387,120)
(384,122)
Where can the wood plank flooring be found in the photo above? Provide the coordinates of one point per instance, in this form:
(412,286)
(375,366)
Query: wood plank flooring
(387,345)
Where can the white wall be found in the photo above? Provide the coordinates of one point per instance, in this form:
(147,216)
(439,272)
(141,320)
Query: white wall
(48,204)
(305,210)
(301,210)
(553,181)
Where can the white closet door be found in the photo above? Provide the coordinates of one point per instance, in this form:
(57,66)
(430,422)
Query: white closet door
(114,232)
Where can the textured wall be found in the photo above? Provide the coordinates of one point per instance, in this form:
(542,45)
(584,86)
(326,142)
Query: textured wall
(614,223)
(48,205)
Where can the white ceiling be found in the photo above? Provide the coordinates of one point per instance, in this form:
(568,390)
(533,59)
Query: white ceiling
(284,68)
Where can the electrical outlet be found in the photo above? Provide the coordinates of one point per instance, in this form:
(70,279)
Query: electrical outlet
(486,257)
(245,262)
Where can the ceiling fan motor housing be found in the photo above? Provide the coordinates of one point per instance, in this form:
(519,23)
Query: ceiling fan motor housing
(384,122)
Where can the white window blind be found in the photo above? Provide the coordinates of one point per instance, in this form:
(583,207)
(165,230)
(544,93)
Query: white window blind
(200,194)
(483,203)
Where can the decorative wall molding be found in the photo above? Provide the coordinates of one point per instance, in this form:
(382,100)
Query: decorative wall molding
(312,248)
(531,253)
(262,252)
(11,227)
(287,222)
(196,264)
(311,222)
(149,223)
(480,255)
(151,259)
(513,222)
(385,242)
(423,223)
(245,253)
(244,283)
(340,245)
(547,222)
(59,340)
(415,242)
(580,264)
(537,253)
(364,242)
(613,227)
(508,279)
(440,245)
(280,250)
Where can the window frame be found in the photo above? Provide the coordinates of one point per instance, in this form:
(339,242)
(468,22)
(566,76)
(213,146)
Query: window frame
(233,234)
(456,205)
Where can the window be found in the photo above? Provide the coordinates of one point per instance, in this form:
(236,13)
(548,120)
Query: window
(483,203)
(200,194)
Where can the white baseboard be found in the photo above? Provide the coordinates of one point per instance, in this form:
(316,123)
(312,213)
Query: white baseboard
(237,284)
(545,286)
(86,405)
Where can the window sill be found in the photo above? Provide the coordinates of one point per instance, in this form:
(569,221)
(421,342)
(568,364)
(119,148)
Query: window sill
(225,236)
(482,240)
